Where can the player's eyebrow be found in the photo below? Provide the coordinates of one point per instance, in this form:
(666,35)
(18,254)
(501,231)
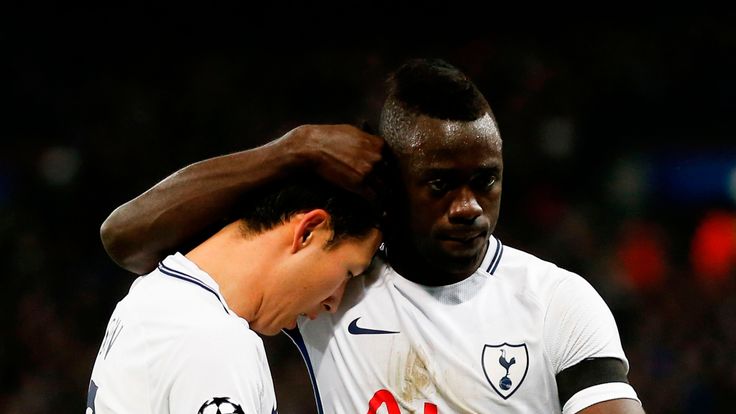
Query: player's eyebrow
(492,169)
(368,265)
(439,172)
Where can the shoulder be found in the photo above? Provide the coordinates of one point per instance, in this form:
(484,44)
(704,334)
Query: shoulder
(547,282)
(157,297)
(219,357)
(517,262)
(224,336)
(175,314)
(222,358)
(539,278)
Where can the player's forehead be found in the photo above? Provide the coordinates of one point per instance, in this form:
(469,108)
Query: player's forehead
(357,249)
(429,135)
(443,144)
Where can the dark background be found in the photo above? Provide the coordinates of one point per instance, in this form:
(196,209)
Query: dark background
(618,140)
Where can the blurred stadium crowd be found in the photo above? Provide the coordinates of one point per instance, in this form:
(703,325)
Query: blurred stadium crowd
(620,165)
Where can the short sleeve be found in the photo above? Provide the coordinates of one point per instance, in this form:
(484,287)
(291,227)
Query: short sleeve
(220,367)
(579,325)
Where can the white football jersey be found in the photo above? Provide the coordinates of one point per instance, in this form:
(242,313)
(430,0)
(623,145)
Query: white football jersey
(174,346)
(491,343)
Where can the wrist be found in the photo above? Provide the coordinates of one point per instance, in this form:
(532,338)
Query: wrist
(296,149)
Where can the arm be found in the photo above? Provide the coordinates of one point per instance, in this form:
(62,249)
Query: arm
(585,349)
(222,360)
(620,406)
(597,386)
(142,231)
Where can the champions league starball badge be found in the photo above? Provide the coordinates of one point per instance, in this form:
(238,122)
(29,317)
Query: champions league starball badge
(220,405)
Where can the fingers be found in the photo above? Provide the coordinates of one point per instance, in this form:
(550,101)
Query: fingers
(346,156)
(360,178)
(366,135)
(375,142)
(369,167)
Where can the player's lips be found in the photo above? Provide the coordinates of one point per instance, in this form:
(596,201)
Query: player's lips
(462,236)
(463,242)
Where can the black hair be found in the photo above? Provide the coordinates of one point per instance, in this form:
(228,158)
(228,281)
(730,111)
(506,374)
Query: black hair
(437,89)
(350,214)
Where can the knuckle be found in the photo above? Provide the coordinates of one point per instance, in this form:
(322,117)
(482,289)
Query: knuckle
(306,131)
(367,167)
(373,158)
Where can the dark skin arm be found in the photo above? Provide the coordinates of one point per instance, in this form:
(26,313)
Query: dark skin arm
(141,232)
(620,406)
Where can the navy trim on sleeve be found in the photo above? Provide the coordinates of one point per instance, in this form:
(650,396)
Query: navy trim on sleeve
(191,279)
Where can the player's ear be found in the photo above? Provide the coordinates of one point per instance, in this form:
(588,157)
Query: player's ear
(308,223)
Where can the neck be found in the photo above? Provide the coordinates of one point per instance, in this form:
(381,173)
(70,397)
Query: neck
(237,264)
(415,267)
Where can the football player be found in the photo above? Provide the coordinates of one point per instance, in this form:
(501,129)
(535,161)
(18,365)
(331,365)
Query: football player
(183,340)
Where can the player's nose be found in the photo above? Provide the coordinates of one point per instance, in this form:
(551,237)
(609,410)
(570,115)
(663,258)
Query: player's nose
(464,207)
(333,301)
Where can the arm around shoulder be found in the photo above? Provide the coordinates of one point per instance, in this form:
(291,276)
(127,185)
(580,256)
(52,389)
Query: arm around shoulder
(142,231)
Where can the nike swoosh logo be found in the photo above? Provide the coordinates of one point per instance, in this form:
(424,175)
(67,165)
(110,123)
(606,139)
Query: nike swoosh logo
(354,329)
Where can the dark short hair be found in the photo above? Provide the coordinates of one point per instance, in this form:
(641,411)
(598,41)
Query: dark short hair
(350,214)
(437,89)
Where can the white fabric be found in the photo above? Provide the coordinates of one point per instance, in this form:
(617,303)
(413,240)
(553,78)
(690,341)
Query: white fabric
(598,393)
(173,344)
(453,341)
(578,325)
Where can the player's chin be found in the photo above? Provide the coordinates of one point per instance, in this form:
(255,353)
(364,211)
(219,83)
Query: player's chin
(272,329)
(462,247)
(291,324)
(459,261)
(459,253)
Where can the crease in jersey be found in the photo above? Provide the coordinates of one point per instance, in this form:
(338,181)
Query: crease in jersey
(191,279)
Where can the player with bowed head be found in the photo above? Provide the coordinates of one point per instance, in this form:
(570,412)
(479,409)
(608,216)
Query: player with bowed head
(183,340)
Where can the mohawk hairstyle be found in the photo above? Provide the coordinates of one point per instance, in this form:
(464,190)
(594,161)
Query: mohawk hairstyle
(430,87)
(437,89)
